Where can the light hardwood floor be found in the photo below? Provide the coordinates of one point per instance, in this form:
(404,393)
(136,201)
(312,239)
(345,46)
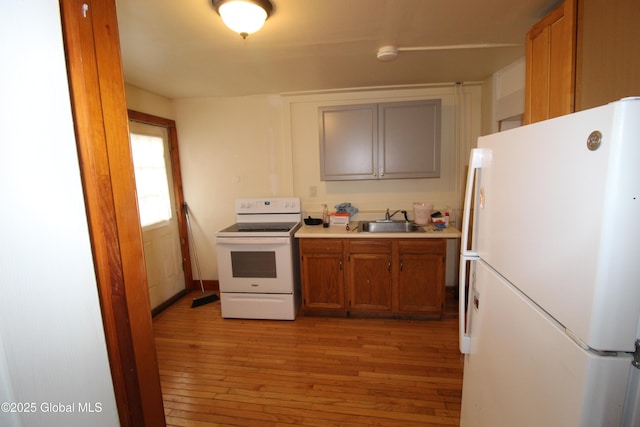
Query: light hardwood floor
(313,371)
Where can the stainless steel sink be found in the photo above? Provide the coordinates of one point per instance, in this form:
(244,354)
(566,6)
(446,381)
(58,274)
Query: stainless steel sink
(389,227)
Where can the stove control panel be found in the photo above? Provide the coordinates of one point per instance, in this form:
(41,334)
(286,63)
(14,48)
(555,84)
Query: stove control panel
(274,205)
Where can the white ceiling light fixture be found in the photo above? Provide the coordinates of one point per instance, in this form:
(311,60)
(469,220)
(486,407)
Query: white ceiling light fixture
(243,16)
(390,53)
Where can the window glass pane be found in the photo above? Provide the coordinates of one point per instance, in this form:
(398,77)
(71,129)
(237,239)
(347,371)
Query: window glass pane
(151,179)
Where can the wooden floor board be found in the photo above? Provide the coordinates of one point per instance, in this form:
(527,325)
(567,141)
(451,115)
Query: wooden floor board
(313,371)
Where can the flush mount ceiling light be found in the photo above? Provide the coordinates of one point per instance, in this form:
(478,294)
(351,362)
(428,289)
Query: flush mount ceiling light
(390,53)
(243,16)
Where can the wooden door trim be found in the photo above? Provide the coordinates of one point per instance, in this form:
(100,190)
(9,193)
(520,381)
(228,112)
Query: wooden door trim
(96,83)
(176,176)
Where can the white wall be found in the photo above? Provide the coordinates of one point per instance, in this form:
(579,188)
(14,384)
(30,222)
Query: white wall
(229,148)
(267,145)
(460,128)
(146,102)
(488,107)
(508,95)
(459,110)
(52,345)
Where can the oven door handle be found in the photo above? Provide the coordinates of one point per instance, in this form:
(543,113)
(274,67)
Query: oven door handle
(253,240)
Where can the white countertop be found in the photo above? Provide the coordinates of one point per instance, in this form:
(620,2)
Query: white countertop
(339,231)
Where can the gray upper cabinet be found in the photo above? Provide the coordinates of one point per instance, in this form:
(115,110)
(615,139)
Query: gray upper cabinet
(380,141)
(409,139)
(348,141)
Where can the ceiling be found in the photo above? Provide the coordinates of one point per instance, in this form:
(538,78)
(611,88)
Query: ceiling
(181,48)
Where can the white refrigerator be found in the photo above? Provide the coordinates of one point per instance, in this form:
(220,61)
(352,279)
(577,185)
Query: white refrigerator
(550,320)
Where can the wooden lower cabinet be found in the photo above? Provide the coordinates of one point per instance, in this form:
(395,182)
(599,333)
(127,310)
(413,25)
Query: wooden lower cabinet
(420,282)
(322,264)
(369,276)
(384,277)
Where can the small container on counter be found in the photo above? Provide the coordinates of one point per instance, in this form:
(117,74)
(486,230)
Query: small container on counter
(440,221)
(339,219)
(422,213)
(325,216)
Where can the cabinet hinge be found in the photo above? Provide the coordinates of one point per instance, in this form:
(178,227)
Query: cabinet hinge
(636,356)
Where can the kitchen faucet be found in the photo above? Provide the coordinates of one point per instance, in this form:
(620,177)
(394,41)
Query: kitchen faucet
(388,216)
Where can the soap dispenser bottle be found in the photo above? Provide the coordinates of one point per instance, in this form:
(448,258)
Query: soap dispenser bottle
(325,216)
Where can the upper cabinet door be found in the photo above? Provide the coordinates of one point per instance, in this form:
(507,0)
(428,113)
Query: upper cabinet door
(409,139)
(608,57)
(380,141)
(348,141)
(551,65)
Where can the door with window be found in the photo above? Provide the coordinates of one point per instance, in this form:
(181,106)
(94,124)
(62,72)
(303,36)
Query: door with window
(158,211)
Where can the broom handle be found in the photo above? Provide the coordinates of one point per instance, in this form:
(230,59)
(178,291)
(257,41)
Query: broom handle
(193,245)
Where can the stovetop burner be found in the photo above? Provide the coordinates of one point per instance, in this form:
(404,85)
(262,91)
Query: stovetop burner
(265,227)
(276,217)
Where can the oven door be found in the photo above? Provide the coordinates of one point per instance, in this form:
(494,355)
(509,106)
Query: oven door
(255,264)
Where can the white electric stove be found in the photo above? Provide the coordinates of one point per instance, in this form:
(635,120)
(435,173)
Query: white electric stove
(258,266)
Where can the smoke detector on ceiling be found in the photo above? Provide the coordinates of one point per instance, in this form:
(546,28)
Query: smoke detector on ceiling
(387,53)
(390,53)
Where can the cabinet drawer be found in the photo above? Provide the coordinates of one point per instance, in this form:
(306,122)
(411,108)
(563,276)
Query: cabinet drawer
(422,246)
(321,245)
(370,246)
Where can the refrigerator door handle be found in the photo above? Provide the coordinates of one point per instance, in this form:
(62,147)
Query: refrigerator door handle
(477,158)
(463,319)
